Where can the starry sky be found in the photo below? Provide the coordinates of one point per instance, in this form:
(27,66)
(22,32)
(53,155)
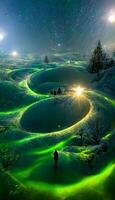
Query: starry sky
(47,25)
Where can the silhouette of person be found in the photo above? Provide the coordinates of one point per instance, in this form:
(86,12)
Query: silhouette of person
(55,159)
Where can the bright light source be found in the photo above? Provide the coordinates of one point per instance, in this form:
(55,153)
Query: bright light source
(79,90)
(68,62)
(111,18)
(59,45)
(2,35)
(14,54)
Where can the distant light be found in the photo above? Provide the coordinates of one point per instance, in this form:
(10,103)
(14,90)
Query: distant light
(59,45)
(105,46)
(14,54)
(68,62)
(111,18)
(79,90)
(2,36)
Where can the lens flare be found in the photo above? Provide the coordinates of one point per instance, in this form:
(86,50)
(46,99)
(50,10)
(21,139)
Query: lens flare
(79,90)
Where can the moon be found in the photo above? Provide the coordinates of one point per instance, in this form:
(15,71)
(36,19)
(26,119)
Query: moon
(111,18)
(2,36)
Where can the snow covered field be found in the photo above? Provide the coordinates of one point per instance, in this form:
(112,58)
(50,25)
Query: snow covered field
(82,128)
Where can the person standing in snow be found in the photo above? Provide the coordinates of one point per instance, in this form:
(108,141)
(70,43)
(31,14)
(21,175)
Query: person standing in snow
(56,159)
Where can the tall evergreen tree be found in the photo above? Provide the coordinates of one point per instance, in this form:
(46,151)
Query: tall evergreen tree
(59,92)
(97,60)
(46,60)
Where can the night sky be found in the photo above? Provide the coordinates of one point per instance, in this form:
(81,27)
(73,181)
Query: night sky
(44,25)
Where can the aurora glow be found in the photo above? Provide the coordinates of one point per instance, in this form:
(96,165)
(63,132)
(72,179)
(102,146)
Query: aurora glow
(56,105)
(39,147)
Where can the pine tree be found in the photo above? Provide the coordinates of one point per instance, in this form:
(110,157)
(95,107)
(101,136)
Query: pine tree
(55,93)
(46,60)
(113,54)
(97,60)
(59,92)
(111,63)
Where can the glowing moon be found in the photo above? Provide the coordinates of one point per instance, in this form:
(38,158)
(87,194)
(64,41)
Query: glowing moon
(2,35)
(111,18)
